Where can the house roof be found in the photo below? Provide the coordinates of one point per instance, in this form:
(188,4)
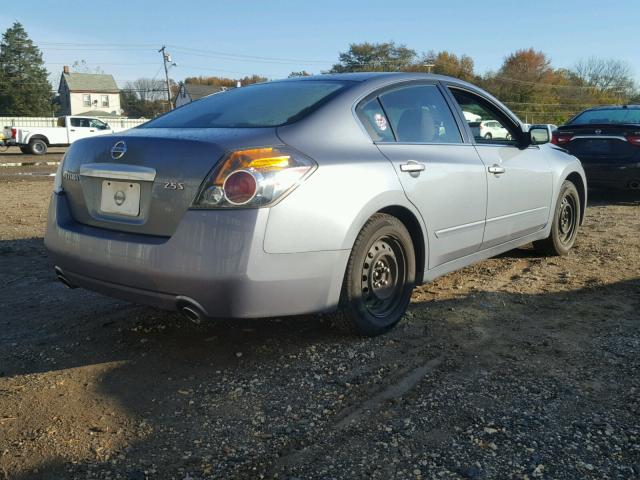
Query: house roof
(197,91)
(90,82)
(96,113)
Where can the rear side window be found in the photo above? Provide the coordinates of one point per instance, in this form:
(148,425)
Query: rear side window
(259,105)
(608,115)
(420,114)
(375,121)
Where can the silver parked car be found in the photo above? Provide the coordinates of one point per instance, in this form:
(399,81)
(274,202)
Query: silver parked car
(327,193)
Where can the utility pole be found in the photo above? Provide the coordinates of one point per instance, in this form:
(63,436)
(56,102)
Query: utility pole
(166,58)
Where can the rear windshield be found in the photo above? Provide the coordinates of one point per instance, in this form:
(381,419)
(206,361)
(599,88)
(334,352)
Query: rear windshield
(259,105)
(612,115)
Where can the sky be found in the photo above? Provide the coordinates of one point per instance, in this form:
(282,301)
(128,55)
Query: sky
(273,38)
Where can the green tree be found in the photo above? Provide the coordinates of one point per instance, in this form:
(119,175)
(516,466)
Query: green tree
(447,63)
(135,106)
(375,57)
(24,88)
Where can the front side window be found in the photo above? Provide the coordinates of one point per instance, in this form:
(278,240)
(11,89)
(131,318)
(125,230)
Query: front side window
(268,104)
(99,124)
(86,100)
(104,100)
(488,125)
(420,114)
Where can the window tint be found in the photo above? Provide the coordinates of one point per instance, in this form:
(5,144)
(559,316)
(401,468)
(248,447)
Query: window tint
(609,115)
(375,121)
(486,122)
(260,105)
(75,122)
(420,114)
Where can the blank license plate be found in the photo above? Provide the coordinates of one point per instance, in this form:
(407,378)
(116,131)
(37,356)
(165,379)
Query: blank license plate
(599,146)
(122,198)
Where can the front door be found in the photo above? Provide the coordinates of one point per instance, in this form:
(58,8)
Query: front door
(79,128)
(519,180)
(441,175)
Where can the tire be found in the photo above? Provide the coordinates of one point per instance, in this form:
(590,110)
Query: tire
(379,279)
(566,220)
(37,146)
(25,150)
(488,136)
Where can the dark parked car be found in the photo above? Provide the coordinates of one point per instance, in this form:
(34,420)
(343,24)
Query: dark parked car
(607,142)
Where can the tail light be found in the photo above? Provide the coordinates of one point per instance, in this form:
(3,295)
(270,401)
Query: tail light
(254,177)
(14,132)
(634,139)
(558,138)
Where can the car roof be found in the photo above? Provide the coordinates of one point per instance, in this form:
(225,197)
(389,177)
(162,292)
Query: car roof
(365,76)
(613,107)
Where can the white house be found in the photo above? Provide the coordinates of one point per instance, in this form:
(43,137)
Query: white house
(88,94)
(188,92)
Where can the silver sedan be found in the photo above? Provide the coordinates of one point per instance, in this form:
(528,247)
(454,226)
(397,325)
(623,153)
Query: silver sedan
(334,193)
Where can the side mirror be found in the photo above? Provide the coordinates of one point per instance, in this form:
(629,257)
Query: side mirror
(539,134)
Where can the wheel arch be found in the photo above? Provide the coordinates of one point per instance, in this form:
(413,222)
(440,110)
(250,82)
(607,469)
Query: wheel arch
(575,178)
(412,224)
(39,136)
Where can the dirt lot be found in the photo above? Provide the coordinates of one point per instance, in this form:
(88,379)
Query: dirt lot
(518,367)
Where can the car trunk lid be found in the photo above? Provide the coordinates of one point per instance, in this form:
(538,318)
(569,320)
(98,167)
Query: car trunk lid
(150,180)
(600,142)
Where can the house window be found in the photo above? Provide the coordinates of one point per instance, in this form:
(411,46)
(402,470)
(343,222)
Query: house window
(104,100)
(86,100)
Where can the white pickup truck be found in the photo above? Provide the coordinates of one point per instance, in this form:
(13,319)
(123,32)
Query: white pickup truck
(36,140)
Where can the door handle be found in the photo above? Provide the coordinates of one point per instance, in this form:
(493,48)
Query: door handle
(92,130)
(412,167)
(496,169)
(72,130)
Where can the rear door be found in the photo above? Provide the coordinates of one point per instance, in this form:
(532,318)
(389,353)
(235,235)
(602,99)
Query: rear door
(441,174)
(519,181)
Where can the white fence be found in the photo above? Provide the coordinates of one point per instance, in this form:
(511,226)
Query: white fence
(117,123)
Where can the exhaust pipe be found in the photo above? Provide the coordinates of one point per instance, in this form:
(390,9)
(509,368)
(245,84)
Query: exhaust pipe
(191,314)
(190,310)
(62,279)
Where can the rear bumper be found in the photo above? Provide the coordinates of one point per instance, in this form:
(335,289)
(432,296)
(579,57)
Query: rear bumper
(622,176)
(215,259)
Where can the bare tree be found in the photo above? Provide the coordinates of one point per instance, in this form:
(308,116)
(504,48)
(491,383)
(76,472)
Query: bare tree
(81,66)
(605,74)
(147,89)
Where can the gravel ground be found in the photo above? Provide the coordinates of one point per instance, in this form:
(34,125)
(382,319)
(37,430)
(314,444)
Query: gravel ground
(517,367)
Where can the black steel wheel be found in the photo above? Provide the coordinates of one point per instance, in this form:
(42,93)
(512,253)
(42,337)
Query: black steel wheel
(566,221)
(379,279)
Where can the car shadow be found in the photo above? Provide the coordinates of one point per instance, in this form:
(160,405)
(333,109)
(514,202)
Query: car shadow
(145,390)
